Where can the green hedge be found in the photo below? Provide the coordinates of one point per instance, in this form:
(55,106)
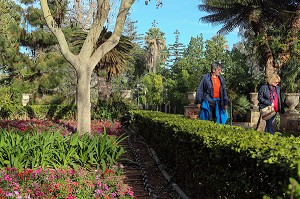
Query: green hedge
(113,109)
(39,111)
(220,161)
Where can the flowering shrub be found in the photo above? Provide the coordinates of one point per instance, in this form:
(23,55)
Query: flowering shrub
(62,183)
(56,142)
(97,126)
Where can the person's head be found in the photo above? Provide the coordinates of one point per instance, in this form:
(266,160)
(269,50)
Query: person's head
(216,68)
(273,80)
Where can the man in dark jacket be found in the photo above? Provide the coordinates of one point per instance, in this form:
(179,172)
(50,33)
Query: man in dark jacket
(212,94)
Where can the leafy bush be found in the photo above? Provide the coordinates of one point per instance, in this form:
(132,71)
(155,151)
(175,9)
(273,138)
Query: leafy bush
(31,150)
(220,161)
(7,105)
(38,111)
(240,107)
(115,108)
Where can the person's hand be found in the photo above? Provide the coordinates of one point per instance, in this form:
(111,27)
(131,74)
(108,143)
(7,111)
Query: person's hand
(225,107)
(198,106)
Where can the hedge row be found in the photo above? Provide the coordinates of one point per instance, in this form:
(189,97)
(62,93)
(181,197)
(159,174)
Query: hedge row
(39,111)
(220,161)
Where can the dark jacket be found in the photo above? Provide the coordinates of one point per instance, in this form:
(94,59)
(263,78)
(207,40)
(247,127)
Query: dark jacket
(205,90)
(264,98)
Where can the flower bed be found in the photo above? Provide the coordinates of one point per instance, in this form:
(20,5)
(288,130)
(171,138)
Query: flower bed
(64,126)
(61,183)
(64,183)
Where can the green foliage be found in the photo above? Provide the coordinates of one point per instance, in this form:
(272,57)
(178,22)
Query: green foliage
(7,105)
(230,162)
(114,108)
(156,48)
(244,73)
(240,107)
(176,50)
(294,186)
(37,68)
(291,75)
(215,50)
(38,112)
(154,85)
(32,150)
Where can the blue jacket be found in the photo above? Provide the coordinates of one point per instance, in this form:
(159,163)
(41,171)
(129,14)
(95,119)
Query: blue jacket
(220,113)
(264,98)
(205,91)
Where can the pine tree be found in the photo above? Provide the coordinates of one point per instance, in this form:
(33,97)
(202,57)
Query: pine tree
(176,50)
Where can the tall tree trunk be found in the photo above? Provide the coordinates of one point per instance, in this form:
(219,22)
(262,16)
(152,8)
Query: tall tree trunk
(269,61)
(272,66)
(267,54)
(260,30)
(84,102)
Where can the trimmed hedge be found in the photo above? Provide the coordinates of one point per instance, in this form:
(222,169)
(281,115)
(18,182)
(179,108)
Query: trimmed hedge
(220,161)
(39,111)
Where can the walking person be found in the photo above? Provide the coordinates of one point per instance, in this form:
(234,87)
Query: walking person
(211,96)
(269,94)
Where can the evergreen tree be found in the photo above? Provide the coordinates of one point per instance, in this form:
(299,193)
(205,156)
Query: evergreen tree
(186,73)
(176,50)
(12,62)
(39,68)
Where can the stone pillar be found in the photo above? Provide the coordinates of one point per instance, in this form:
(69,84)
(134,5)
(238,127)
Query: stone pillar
(254,112)
(292,100)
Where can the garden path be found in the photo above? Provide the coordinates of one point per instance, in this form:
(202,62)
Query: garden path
(141,171)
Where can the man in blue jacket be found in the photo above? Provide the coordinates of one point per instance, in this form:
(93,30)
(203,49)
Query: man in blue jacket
(211,96)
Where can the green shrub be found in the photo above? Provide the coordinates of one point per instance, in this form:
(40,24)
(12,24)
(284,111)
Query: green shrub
(220,161)
(39,112)
(31,150)
(114,108)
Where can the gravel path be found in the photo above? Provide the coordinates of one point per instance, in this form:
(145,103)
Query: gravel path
(142,173)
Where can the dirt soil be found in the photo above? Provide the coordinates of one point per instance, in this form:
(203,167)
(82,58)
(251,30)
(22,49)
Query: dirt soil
(142,173)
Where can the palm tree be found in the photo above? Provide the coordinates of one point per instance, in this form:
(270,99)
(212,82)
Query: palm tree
(112,64)
(155,44)
(259,17)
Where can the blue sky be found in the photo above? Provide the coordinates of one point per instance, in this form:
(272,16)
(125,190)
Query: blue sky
(182,15)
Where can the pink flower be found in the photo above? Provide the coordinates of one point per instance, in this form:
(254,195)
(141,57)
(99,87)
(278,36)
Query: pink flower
(39,171)
(6,177)
(70,197)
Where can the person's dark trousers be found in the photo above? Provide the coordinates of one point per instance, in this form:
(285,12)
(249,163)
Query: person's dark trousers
(212,113)
(269,124)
